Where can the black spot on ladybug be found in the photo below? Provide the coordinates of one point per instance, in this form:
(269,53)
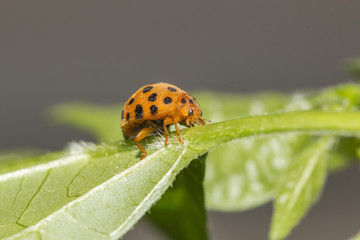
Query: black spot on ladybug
(167,100)
(191,101)
(153,109)
(127,117)
(183,100)
(146,89)
(131,101)
(122,114)
(201,113)
(152,97)
(172,89)
(138,111)
(191,112)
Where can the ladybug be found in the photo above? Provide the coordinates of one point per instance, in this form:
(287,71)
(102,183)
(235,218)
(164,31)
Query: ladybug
(155,107)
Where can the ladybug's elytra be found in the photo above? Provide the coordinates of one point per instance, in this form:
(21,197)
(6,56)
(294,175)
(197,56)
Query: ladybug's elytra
(156,106)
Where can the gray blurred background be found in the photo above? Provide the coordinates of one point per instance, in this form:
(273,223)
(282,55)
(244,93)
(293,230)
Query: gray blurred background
(102,51)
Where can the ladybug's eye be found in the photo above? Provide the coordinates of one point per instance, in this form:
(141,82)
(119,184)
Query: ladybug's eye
(191,112)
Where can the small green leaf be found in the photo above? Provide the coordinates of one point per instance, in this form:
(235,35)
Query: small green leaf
(358,153)
(353,67)
(299,187)
(102,121)
(343,153)
(181,210)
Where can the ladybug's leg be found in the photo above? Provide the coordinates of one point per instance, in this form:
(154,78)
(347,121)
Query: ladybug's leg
(141,135)
(178,133)
(167,122)
(189,123)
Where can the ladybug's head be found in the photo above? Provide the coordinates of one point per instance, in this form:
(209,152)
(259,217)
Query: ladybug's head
(190,110)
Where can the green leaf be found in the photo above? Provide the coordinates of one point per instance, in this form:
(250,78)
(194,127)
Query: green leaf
(343,153)
(36,187)
(299,187)
(353,67)
(249,181)
(181,210)
(243,174)
(102,121)
(101,191)
(358,153)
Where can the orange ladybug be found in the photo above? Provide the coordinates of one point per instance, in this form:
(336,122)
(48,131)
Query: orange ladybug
(156,106)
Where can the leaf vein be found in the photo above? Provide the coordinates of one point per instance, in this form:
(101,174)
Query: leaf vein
(32,198)
(151,194)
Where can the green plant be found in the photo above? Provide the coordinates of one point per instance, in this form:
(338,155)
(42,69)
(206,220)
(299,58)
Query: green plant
(353,67)
(260,147)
